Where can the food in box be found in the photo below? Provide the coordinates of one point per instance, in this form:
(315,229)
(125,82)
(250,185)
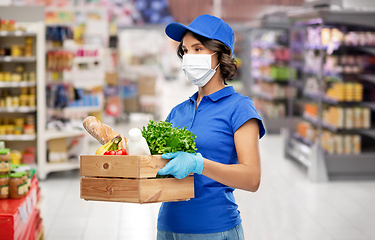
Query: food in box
(131,178)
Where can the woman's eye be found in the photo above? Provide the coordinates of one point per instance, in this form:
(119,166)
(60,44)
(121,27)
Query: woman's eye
(198,49)
(185,50)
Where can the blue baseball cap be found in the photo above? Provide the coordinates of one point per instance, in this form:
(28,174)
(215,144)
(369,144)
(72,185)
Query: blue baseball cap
(205,25)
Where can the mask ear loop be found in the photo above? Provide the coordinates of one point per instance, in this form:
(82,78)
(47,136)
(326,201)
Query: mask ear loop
(218,63)
(217,66)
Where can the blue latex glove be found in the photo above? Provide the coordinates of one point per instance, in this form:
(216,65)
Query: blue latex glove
(182,164)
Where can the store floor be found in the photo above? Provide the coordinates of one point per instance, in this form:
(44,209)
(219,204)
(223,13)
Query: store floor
(286,207)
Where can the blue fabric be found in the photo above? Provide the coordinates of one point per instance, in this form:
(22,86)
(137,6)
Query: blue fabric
(233,234)
(214,123)
(205,25)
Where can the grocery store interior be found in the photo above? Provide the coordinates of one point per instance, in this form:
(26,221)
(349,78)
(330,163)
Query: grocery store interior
(308,66)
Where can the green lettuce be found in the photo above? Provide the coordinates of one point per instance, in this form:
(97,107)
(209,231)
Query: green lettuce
(162,138)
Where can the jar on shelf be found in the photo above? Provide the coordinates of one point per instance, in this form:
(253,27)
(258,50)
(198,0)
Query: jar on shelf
(16,77)
(2,130)
(25,187)
(29,129)
(28,51)
(7,76)
(8,101)
(11,25)
(32,77)
(23,90)
(16,51)
(16,186)
(4,161)
(23,100)
(3,25)
(27,169)
(25,183)
(16,101)
(15,158)
(32,100)
(1,76)
(29,41)
(19,121)
(4,186)
(18,130)
(25,76)
(33,91)
(10,130)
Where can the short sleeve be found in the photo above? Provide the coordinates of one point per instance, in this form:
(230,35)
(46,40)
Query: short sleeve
(243,111)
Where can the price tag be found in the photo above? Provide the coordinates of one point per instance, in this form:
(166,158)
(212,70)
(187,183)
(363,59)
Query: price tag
(23,212)
(3,33)
(28,205)
(33,197)
(18,33)
(7,59)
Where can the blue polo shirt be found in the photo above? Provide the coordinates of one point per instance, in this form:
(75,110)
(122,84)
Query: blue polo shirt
(214,123)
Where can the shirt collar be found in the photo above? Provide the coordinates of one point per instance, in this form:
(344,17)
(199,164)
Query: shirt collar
(216,96)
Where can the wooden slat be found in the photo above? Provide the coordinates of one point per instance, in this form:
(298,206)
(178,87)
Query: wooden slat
(129,166)
(166,190)
(150,165)
(109,166)
(137,190)
(107,189)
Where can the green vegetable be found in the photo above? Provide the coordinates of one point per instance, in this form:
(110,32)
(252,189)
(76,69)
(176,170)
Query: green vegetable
(162,138)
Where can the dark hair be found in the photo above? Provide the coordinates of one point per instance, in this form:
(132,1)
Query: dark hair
(228,66)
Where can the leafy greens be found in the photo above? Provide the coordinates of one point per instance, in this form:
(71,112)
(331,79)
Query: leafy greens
(162,138)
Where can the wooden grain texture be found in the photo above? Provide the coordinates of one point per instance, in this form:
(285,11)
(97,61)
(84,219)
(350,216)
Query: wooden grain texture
(150,165)
(110,189)
(137,190)
(129,166)
(166,189)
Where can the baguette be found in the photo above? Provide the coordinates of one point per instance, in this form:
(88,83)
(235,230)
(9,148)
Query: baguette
(102,132)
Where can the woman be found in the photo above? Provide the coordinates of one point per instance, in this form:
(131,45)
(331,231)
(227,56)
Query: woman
(227,127)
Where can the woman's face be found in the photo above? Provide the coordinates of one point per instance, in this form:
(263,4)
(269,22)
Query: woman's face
(191,45)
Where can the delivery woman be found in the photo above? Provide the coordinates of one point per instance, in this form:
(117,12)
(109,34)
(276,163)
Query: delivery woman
(228,129)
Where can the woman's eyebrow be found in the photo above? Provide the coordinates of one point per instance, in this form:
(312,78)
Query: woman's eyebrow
(195,44)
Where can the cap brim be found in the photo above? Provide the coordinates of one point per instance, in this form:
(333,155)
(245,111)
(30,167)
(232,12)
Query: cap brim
(176,30)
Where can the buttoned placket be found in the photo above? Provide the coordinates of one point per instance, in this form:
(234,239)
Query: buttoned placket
(197,110)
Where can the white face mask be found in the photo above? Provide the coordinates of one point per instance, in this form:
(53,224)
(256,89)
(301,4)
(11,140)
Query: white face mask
(197,68)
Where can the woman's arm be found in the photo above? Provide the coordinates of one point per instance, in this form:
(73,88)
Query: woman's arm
(246,174)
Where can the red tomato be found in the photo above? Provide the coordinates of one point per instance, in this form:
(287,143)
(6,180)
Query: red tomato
(121,152)
(106,153)
(112,152)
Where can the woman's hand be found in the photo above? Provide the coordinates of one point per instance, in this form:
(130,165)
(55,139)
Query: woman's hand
(182,164)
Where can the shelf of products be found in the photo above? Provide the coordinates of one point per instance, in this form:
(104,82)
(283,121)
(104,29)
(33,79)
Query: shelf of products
(75,79)
(23,93)
(22,85)
(269,86)
(335,62)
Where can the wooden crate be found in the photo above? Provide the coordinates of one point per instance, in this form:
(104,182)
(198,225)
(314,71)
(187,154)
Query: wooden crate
(131,179)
